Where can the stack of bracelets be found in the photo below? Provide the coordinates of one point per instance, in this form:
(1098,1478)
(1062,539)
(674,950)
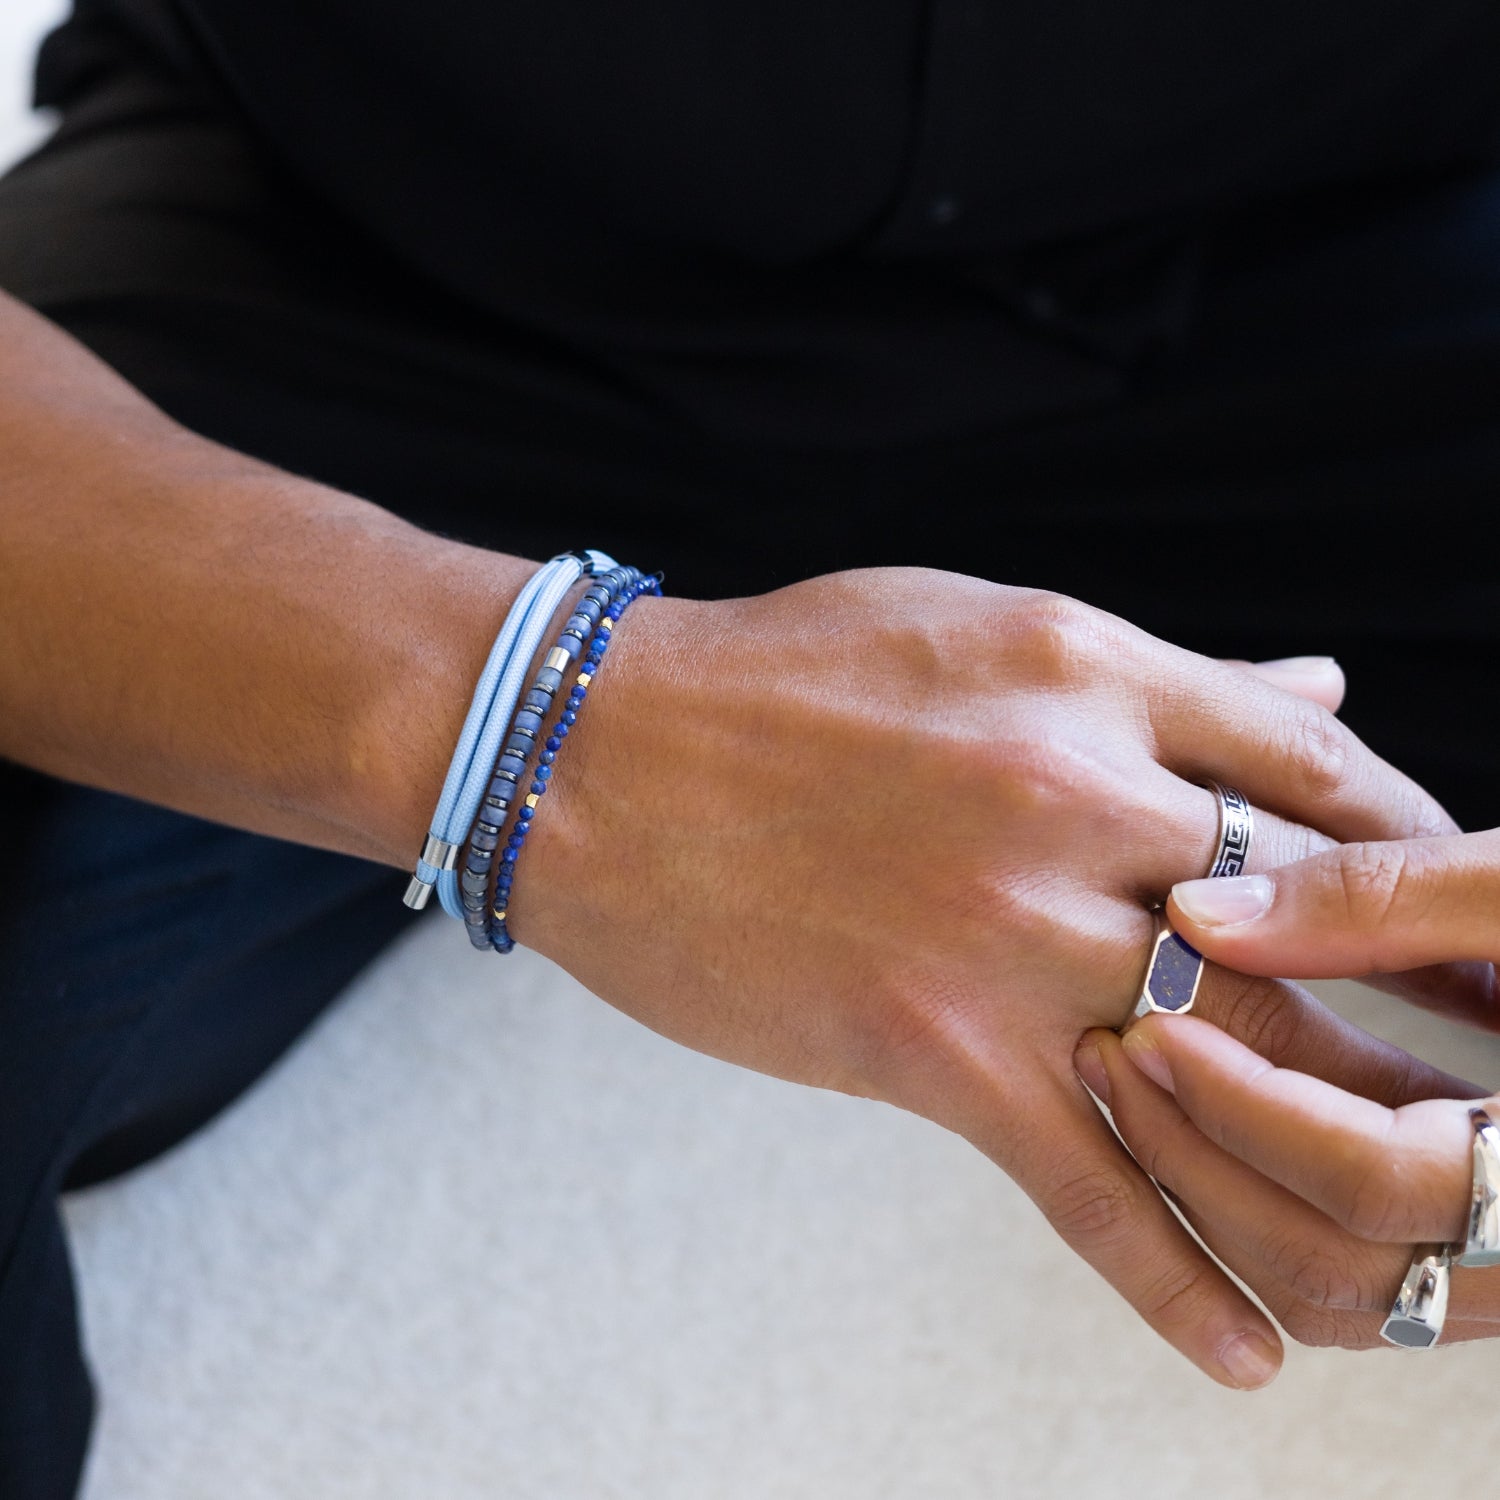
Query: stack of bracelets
(491,774)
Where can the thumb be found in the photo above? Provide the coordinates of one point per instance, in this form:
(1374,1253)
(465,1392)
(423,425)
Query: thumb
(1355,909)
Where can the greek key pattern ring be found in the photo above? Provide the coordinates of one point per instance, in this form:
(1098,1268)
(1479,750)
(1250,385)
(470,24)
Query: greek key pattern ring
(1174,969)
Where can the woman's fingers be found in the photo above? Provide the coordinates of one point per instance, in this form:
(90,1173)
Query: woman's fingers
(1110,1213)
(1324,1285)
(1292,1029)
(1400,1176)
(1355,909)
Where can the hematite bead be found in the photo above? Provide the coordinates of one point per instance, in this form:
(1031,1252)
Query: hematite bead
(582,640)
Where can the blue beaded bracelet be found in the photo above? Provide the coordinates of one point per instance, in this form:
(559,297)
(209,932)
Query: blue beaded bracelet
(504,788)
(498,932)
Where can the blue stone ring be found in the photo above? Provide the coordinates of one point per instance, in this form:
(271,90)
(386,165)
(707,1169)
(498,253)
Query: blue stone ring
(1175,968)
(1172,973)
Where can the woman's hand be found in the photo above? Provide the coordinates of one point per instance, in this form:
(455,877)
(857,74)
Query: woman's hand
(1313,1196)
(1386,909)
(896,833)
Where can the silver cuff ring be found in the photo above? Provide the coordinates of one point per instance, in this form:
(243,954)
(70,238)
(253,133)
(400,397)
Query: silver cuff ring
(1415,1320)
(1175,968)
(1481,1247)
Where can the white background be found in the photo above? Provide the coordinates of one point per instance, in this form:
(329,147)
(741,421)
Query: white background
(22,24)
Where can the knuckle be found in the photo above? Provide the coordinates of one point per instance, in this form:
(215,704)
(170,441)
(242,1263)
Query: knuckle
(1313,1326)
(1322,750)
(1180,1297)
(1264,1014)
(1319,1274)
(1092,1204)
(1371,878)
(914,1023)
(1373,1204)
(1064,639)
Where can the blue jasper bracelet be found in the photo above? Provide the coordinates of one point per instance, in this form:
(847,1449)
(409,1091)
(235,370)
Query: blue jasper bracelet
(625,586)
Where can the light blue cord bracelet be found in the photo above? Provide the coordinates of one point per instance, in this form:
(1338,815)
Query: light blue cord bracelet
(489,714)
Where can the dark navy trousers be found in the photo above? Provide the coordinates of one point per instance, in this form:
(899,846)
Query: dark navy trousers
(1314,467)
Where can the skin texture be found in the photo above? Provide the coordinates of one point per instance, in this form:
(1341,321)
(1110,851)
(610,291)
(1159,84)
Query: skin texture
(890,832)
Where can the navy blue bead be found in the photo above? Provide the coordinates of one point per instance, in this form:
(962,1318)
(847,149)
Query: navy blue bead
(538,787)
(508,855)
(554,744)
(526,814)
(515,840)
(570,718)
(543,773)
(547,757)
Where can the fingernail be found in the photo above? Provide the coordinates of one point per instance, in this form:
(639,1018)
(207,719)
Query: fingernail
(1090,1067)
(1301,664)
(1250,1361)
(1147,1056)
(1229,901)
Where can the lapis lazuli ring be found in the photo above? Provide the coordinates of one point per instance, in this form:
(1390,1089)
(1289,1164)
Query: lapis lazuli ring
(1175,968)
(1173,972)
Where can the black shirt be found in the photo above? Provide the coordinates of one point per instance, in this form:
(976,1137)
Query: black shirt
(835,221)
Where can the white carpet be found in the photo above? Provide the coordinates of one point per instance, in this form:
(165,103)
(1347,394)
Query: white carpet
(481,1236)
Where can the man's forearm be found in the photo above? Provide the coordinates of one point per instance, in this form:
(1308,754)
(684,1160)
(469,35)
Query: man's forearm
(186,625)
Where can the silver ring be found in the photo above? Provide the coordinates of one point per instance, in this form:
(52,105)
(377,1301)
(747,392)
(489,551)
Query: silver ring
(1481,1246)
(1236,825)
(1174,968)
(1173,972)
(1415,1320)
